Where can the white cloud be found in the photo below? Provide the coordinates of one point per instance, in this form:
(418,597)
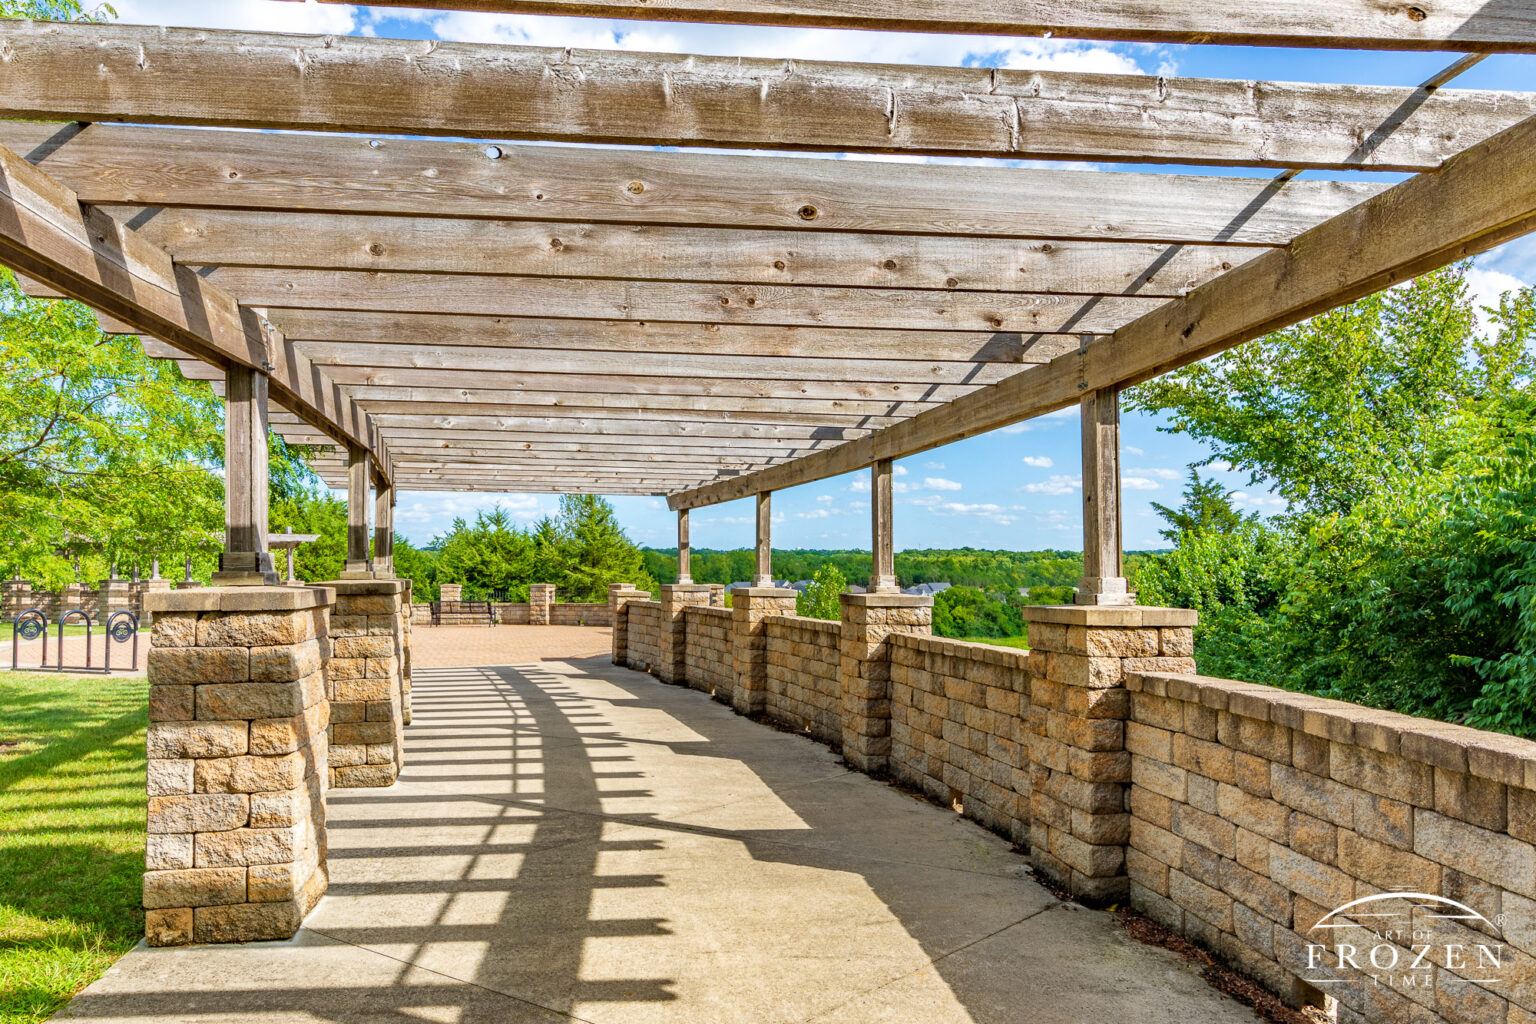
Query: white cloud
(1159,472)
(255,15)
(1486,287)
(938,483)
(1132,449)
(1139,483)
(823,497)
(1039,461)
(860,484)
(1057,484)
(898,471)
(994,513)
(933,465)
(1243,499)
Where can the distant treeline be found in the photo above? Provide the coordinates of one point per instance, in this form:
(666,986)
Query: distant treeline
(992,571)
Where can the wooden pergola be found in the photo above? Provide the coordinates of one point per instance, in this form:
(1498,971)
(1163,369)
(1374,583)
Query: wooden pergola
(436,313)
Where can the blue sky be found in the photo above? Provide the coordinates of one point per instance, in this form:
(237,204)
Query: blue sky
(1015,488)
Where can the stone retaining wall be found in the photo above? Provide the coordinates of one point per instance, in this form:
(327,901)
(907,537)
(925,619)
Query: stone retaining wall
(708,659)
(959,727)
(1255,812)
(518,613)
(575,613)
(803,665)
(644,634)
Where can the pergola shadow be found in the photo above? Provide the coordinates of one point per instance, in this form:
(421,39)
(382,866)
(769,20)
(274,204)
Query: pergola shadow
(573,840)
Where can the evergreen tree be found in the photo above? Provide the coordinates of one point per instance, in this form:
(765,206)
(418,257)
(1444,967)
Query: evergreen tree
(1207,508)
(820,600)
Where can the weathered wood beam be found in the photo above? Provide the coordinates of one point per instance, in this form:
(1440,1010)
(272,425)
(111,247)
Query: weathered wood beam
(589,299)
(1481,198)
(340,241)
(684,549)
(245,560)
(882,578)
(49,235)
(638,336)
(88,72)
(575,409)
(1103,579)
(763,573)
(635,427)
(838,370)
(155,167)
(1472,25)
(479,400)
(356,564)
(539,457)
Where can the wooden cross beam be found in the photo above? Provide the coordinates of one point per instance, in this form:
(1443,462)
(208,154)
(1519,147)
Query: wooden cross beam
(107,72)
(1471,25)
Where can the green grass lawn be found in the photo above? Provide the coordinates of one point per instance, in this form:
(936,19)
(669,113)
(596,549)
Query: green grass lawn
(1021,642)
(71,834)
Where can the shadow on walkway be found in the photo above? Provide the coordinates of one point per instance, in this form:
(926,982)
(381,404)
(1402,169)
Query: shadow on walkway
(575,840)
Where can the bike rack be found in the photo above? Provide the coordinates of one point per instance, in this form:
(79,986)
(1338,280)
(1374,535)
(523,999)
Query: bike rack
(121,627)
(62,620)
(29,625)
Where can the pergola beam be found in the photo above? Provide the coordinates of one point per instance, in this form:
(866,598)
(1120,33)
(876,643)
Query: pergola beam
(681,302)
(1471,25)
(1484,196)
(105,72)
(449,245)
(51,236)
(154,167)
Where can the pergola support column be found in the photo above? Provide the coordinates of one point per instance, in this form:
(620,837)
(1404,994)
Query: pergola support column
(356,567)
(245,560)
(762,576)
(384,532)
(1103,581)
(684,551)
(882,578)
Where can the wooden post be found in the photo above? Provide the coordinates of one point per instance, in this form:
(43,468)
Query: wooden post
(245,560)
(356,566)
(1103,575)
(384,531)
(882,579)
(763,577)
(683,549)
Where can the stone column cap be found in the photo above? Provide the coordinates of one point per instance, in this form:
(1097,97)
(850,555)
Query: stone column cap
(757,591)
(364,588)
(887,600)
(239,599)
(1110,615)
(687,588)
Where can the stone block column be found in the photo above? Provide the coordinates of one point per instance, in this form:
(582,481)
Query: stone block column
(451,592)
(366,684)
(540,597)
(17,598)
(748,692)
(676,598)
(407,610)
(154,585)
(113,596)
(865,672)
(237,754)
(619,595)
(1080,769)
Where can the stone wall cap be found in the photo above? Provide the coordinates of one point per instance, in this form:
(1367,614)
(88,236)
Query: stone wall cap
(887,600)
(686,588)
(804,622)
(365,588)
(763,592)
(1110,615)
(239,599)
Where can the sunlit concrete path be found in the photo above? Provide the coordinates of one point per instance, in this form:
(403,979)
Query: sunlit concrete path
(575,840)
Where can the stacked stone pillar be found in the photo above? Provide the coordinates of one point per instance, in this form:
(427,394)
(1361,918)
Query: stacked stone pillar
(406,608)
(366,683)
(676,598)
(1080,769)
(748,692)
(451,592)
(15,598)
(619,595)
(153,585)
(540,597)
(113,596)
(865,670)
(237,754)
(79,597)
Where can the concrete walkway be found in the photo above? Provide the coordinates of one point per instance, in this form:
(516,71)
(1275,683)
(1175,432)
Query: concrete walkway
(575,840)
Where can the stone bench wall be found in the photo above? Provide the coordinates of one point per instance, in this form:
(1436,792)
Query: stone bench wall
(1255,812)
(959,727)
(708,658)
(644,634)
(575,613)
(804,660)
(237,763)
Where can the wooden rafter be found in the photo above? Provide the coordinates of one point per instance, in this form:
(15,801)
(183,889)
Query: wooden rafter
(1471,25)
(102,72)
(152,167)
